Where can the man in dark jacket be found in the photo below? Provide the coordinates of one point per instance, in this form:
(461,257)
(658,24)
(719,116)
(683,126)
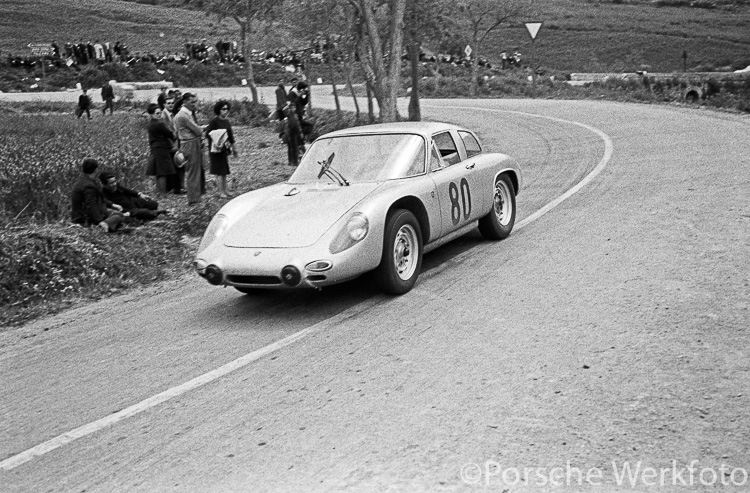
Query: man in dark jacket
(84,104)
(108,96)
(137,204)
(88,205)
(281,100)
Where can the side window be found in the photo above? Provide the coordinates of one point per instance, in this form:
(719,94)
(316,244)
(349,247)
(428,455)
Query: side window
(447,148)
(470,142)
(435,161)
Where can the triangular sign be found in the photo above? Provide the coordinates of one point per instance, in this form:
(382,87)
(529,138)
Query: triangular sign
(533,28)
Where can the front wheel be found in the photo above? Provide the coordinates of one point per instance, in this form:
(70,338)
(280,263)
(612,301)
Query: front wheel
(402,253)
(498,223)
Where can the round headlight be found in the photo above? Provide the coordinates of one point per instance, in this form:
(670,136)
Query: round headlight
(216,228)
(357,226)
(354,231)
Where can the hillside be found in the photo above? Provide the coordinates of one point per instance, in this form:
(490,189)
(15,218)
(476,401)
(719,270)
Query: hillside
(141,27)
(577,35)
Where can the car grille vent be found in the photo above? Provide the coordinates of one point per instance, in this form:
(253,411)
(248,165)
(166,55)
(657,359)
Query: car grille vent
(254,279)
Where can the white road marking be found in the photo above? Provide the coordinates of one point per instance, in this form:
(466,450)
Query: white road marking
(82,431)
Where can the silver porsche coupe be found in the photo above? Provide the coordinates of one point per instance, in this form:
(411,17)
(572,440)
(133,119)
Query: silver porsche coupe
(370,198)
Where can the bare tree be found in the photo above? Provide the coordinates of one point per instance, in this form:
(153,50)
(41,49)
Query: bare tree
(426,20)
(484,17)
(244,12)
(380,53)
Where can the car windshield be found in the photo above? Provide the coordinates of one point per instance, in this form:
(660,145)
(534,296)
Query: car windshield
(361,158)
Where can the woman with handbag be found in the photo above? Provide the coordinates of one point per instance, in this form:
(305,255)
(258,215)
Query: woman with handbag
(220,145)
(161,141)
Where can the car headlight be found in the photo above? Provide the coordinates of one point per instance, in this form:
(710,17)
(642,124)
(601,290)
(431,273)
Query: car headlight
(216,228)
(354,231)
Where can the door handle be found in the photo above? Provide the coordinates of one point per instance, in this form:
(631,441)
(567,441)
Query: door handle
(470,166)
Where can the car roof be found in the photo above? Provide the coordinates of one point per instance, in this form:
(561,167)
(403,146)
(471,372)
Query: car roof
(422,128)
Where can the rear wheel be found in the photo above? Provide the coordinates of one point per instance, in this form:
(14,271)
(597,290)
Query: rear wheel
(402,253)
(498,223)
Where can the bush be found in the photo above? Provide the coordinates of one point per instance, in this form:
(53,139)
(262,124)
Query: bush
(244,112)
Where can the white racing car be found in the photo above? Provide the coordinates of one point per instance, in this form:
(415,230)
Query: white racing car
(370,198)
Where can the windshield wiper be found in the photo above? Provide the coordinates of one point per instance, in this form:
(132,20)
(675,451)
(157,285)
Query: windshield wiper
(326,169)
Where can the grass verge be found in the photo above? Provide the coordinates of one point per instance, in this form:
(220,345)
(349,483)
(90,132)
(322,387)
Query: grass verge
(50,265)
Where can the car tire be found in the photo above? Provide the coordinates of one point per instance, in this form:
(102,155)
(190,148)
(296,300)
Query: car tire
(402,253)
(498,223)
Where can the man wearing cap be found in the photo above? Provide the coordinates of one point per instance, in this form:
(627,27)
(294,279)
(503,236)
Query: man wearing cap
(88,205)
(191,135)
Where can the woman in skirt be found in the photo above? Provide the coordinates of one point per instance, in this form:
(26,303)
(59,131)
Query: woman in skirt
(160,140)
(220,145)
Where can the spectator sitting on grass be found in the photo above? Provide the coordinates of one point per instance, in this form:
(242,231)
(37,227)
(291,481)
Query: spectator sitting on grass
(137,204)
(88,205)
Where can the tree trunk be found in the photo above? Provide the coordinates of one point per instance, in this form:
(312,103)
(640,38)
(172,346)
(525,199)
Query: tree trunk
(474,70)
(332,74)
(248,62)
(370,106)
(386,79)
(415,114)
(347,73)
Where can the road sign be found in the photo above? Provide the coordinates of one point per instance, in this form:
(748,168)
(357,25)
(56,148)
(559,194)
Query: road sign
(533,28)
(41,49)
(467,50)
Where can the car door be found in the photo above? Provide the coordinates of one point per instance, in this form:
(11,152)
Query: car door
(482,172)
(455,180)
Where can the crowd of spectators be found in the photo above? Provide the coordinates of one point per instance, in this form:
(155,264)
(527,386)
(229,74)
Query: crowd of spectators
(85,53)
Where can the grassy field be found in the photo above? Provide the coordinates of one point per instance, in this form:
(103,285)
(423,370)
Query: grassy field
(577,35)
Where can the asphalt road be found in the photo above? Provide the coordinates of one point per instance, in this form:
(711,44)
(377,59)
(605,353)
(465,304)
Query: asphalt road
(609,331)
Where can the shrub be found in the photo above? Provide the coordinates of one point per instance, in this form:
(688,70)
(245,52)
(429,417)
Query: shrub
(244,112)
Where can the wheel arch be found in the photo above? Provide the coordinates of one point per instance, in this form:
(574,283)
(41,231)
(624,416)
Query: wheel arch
(416,207)
(514,179)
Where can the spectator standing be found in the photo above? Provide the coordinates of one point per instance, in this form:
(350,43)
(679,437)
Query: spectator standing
(99,53)
(90,51)
(175,183)
(190,135)
(160,141)
(162,98)
(84,104)
(293,134)
(221,145)
(292,95)
(303,97)
(281,99)
(88,205)
(108,96)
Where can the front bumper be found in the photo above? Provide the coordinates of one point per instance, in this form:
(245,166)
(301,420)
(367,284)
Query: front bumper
(284,268)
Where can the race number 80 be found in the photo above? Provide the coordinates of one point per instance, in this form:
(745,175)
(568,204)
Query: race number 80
(464,203)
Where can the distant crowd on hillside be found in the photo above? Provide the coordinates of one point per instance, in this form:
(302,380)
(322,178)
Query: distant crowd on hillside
(84,53)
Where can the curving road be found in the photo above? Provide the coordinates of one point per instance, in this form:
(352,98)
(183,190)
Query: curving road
(610,330)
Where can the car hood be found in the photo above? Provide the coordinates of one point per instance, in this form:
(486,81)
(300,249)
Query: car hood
(291,216)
